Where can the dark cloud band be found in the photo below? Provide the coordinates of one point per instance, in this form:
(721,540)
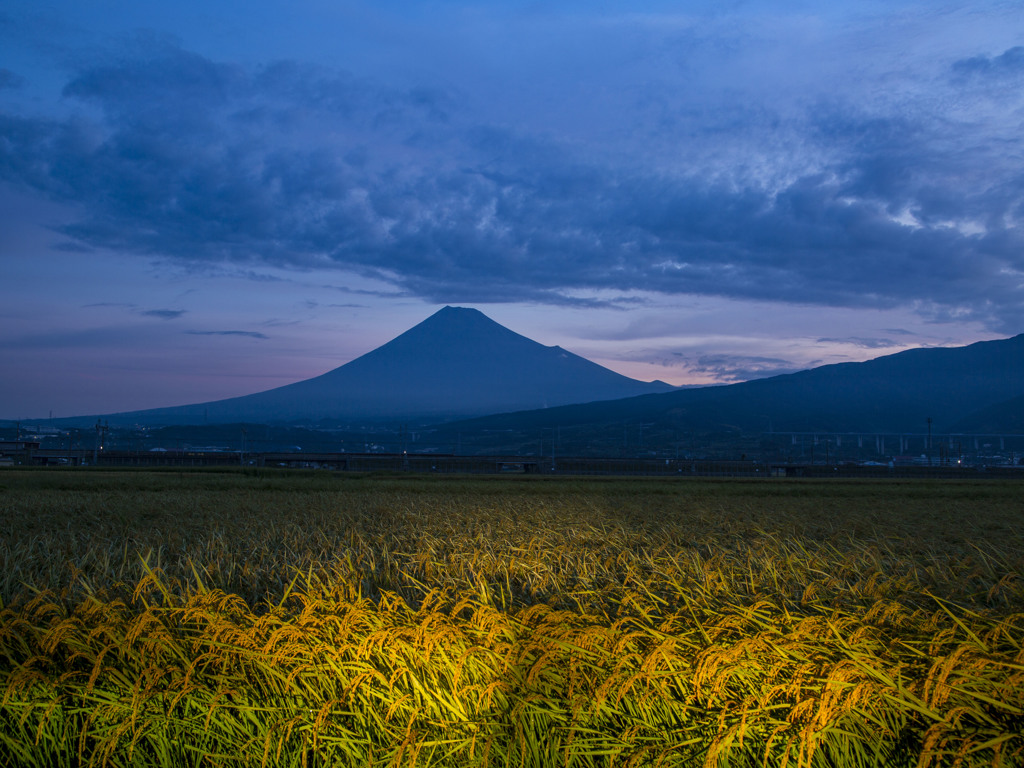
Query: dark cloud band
(248,334)
(298,167)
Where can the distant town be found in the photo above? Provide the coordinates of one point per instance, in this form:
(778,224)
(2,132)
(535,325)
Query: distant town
(642,449)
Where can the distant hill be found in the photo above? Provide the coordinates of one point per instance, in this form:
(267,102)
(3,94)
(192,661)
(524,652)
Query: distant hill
(456,363)
(981,385)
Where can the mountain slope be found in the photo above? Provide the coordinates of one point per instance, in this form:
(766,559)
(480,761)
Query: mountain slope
(458,362)
(1002,418)
(888,394)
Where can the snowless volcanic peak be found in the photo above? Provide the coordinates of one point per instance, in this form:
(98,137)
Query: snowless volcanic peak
(456,363)
(450,334)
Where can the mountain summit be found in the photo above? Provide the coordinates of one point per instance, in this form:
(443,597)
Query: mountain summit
(456,363)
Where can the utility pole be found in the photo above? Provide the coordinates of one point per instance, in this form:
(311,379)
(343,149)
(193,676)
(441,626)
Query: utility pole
(96,445)
(929,446)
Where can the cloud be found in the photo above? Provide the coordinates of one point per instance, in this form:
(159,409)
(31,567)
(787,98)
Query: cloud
(317,305)
(164,314)
(10,79)
(708,363)
(68,247)
(863,343)
(727,368)
(249,334)
(833,201)
(1010,63)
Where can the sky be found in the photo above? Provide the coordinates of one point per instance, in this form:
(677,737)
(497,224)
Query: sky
(202,200)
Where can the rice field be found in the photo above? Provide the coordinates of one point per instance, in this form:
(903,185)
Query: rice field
(316,619)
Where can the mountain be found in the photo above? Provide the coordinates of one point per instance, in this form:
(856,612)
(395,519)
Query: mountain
(982,383)
(1002,418)
(456,363)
